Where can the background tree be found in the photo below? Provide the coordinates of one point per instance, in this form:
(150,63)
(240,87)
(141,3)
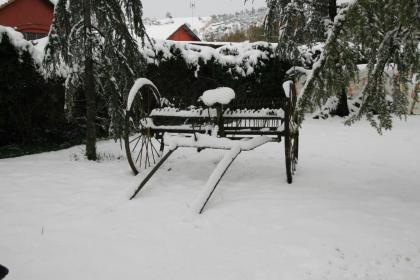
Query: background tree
(254,33)
(384,31)
(297,23)
(97,41)
(303,22)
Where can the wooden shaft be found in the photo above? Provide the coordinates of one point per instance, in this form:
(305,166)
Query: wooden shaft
(153,171)
(218,180)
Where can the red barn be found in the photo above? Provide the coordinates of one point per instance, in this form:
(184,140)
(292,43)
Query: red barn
(183,33)
(33,18)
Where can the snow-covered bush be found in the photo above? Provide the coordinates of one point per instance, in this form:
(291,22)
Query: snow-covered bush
(183,71)
(21,45)
(31,107)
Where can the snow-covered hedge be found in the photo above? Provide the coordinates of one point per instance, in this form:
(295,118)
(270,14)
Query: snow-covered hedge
(183,71)
(31,107)
(21,45)
(239,58)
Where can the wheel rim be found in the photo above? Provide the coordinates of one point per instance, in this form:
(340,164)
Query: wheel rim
(143,146)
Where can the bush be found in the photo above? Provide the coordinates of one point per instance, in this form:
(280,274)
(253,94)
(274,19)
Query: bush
(178,76)
(31,115)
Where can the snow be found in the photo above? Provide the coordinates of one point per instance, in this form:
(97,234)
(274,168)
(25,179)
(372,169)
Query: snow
(215,178)
(19,42)
(242,58)
(352,212)
(212,112)
(207,141)
(287,88)
(234,147)
(138,84)
(221,95)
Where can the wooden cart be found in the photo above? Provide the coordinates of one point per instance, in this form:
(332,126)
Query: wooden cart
(152,121)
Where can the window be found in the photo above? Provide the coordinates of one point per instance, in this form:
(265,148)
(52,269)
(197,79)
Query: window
(30,36)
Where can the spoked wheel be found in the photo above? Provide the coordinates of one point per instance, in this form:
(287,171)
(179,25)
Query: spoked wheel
(291,138)
(142,145)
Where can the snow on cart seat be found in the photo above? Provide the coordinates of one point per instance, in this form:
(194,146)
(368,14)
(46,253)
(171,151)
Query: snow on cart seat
(221,95)
(211,112)
(261,113)
(175,112)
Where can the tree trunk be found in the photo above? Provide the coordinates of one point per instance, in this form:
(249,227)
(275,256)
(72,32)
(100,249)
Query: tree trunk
(89,85)
(332,9)
(342,109)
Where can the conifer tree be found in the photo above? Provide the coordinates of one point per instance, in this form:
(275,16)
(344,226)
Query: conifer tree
(97,42)
(303,22)
(299,22)
(385,32)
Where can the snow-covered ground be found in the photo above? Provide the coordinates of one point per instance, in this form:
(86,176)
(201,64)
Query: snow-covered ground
(353,212)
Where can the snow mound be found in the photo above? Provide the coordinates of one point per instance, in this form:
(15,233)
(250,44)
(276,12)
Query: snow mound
(221,95)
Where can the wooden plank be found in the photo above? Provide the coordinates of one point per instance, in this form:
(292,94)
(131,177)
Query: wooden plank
(153,171)
(216,177)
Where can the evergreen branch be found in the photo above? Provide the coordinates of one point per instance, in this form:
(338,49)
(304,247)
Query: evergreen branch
(305,97)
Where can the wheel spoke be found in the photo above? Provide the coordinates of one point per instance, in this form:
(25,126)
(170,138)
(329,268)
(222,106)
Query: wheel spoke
(152,152)
(158,154)
(135,146)
(141,155)
(135,138)
(147,153)
(141,152)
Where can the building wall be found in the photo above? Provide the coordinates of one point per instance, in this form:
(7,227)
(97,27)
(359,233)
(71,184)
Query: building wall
(182,35)
(28,16)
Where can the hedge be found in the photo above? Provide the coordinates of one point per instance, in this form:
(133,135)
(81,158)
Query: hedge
(32,106)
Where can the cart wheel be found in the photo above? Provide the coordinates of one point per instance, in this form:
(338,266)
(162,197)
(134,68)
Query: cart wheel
(291,138)
(142,146)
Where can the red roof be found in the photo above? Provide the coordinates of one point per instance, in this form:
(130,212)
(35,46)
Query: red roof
(183,33)
(28,16)
(4,3)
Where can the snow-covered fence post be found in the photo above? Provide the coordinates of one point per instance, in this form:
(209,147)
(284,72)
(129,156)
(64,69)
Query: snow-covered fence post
(217,98)
(220,123)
